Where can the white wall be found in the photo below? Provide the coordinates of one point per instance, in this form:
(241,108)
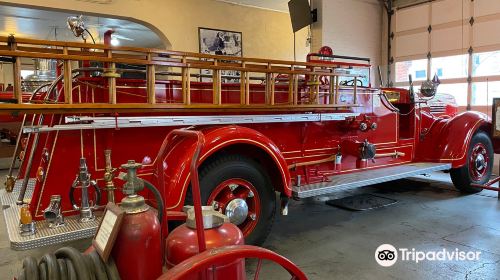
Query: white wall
(350,27)
(266,34)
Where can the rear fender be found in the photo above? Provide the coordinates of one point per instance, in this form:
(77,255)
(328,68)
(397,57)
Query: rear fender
(178,158)
(448,139)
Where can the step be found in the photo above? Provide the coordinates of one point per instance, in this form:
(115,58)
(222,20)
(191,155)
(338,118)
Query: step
(72,230)
(355,180)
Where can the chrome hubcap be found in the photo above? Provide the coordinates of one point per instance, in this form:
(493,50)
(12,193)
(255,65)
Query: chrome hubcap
(480,162)
(237,211)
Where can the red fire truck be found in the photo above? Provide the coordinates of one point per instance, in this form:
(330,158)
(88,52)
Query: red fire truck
(297,129)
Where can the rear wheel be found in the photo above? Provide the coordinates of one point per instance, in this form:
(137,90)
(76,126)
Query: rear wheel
(477,169)
(238,187)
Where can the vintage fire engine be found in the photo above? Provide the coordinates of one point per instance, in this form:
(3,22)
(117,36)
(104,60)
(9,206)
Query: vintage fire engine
(299,129)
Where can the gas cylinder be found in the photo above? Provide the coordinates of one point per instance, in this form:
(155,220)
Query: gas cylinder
(182,243)
(137,250)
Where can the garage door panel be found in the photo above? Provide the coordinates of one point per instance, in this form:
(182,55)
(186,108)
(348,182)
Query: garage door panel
(449,10)
(486,7)
(411,18)
(412,44)
(449,39)
(486,33)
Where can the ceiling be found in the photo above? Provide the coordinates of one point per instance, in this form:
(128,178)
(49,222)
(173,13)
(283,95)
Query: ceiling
(51,25)
(275,5)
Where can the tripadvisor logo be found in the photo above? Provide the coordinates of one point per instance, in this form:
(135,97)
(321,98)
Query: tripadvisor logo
(387,255)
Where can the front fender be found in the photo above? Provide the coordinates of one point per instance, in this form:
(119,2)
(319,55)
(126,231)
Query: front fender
(447,139)
(176,162)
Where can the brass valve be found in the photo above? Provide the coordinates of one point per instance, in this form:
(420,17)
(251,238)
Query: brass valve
(132,184)
(109,175)
(132,202)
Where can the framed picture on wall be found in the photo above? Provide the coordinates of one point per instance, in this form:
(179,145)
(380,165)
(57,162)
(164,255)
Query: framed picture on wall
(220,42)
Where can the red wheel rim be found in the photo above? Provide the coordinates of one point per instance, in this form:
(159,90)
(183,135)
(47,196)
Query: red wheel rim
(478,162)
(237,190)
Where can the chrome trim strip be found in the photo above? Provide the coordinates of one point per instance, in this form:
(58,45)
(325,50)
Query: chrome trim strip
(86,122)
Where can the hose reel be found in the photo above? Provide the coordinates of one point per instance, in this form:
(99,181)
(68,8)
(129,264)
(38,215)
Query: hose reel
(69,263)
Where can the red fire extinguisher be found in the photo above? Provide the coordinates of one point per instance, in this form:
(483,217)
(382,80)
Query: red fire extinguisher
(182,243)
(137,250)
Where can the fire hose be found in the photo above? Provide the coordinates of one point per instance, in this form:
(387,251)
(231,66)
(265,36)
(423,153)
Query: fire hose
(67,263)
(158,198)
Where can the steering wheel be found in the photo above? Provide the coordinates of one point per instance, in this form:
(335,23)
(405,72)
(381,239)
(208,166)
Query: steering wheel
(351,83)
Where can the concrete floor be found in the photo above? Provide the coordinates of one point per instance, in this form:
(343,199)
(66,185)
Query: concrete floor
(331,243)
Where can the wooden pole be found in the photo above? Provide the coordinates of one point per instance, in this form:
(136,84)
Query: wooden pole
(273,80)
(290,86)
(243,87)
(216,81)
(247,88)
(186,83)
(337,81)
(68,79)
(331,90)
(111,79)
(16,69)
(355,97)
(295,89)
(151,81)
(268,89)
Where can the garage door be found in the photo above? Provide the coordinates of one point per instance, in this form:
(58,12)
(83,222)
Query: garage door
(459,40)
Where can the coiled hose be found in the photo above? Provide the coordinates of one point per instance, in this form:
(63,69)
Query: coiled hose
(67,263)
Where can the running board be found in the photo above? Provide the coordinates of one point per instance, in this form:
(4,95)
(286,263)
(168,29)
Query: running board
(72,230)
(358,179)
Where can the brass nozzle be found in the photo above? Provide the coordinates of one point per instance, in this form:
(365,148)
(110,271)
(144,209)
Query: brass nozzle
(25,215)
(9,183)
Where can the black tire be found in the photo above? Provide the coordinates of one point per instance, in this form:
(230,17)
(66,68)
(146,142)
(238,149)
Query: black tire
(461,177)
(227,167)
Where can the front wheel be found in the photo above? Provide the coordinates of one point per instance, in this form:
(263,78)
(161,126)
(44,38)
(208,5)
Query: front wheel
(477,169)
(240,188)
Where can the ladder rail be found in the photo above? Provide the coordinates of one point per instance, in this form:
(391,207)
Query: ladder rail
(23,124)
(179,64)
(34,145)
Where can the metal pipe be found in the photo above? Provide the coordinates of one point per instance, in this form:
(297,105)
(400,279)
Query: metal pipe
(195,184)
(394,154)
(108,177)
(328,159)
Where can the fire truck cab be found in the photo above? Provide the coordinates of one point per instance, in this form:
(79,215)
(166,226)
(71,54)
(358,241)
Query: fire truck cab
(299,129)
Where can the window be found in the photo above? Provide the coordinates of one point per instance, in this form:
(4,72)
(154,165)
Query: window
(450,67)
(486,64)
(364,72)
(417,69)
(484,92)
(459,91)
(26,73)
